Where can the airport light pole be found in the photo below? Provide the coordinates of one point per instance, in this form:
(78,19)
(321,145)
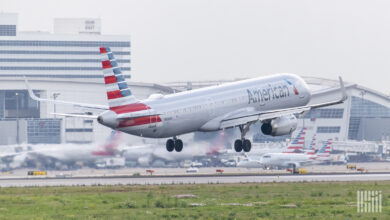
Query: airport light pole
(55,95)
(17,117)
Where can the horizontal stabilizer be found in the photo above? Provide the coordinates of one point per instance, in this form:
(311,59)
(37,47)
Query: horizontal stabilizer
(76,115)
(82,105)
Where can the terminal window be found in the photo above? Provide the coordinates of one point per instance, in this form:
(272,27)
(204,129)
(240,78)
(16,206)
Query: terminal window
(328,129)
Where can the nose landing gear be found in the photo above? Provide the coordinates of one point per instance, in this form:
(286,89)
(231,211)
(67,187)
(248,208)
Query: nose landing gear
(174,144)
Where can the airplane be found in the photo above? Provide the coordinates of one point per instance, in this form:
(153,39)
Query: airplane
(294,147)
(147,154)
(288,159)
(63,154)
(272,100)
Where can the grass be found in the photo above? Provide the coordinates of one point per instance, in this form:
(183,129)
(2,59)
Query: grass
(334,200)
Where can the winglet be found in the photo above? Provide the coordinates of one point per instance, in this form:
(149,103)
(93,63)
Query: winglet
(30,92)
(344,95)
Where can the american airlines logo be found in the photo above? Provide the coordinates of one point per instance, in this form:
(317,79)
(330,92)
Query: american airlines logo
(270,92)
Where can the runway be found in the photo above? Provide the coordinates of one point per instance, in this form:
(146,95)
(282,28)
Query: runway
(193,179)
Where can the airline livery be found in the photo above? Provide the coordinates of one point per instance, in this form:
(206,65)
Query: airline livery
(273,100)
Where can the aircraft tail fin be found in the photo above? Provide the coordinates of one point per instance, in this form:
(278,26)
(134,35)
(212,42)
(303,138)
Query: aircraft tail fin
(108,149)
(298,142)
(312,146)
(118,92)
(217,144)
(326,149)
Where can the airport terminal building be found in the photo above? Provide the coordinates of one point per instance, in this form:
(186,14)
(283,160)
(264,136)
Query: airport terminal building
(62,65)
(65,65)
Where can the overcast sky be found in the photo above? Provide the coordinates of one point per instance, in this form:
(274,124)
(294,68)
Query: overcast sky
(180,40)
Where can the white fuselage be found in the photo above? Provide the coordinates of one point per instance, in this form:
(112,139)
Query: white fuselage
(203,109)
(285,159)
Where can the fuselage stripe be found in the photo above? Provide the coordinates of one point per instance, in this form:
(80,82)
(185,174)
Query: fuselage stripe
(139,121)
(134,107)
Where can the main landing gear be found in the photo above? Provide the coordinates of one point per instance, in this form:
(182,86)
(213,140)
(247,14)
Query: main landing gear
(174,144)
(243,144)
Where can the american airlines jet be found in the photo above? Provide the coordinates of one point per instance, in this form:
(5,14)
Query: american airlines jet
(273,100)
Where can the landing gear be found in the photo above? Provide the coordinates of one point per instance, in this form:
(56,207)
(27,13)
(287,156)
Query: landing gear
(170,145)
(240,145)
(243,144)
(174,144)
(178,145)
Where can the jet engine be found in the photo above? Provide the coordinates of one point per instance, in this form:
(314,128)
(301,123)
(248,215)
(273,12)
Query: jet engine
(280,126)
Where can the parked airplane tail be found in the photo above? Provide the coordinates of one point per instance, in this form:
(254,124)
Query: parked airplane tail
(297,144)
(217,144)
(118,92)
(108,149)
(324,152)
(312,147)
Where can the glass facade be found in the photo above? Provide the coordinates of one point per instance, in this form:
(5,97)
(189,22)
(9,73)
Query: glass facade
(60,58)
(328,129)
(96,44)
(55,68)
(44,131)
(325,113)
(7,30)
(60,52)
(17,104)
(363,111)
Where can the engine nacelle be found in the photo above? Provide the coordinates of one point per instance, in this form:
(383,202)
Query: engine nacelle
(280,126)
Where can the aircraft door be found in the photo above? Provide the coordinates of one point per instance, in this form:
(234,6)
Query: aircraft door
(211,107)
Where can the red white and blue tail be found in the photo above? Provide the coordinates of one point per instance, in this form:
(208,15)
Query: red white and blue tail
(118,92)
(324,152)
(312,147)
(296,146)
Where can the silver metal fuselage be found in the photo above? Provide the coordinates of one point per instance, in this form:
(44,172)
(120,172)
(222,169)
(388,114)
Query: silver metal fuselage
(203,109)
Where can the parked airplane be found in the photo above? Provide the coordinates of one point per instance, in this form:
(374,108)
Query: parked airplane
(273,100)
(294,147)
(63,154)
(148,154)
(288,160)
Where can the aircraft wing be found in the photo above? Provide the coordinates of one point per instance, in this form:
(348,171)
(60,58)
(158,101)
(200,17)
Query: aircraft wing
(254,116)
(83,105)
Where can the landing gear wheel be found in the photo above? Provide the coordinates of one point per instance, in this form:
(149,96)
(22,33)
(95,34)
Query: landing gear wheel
(247,145)
(178,145)
(238,145)
(170,145)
